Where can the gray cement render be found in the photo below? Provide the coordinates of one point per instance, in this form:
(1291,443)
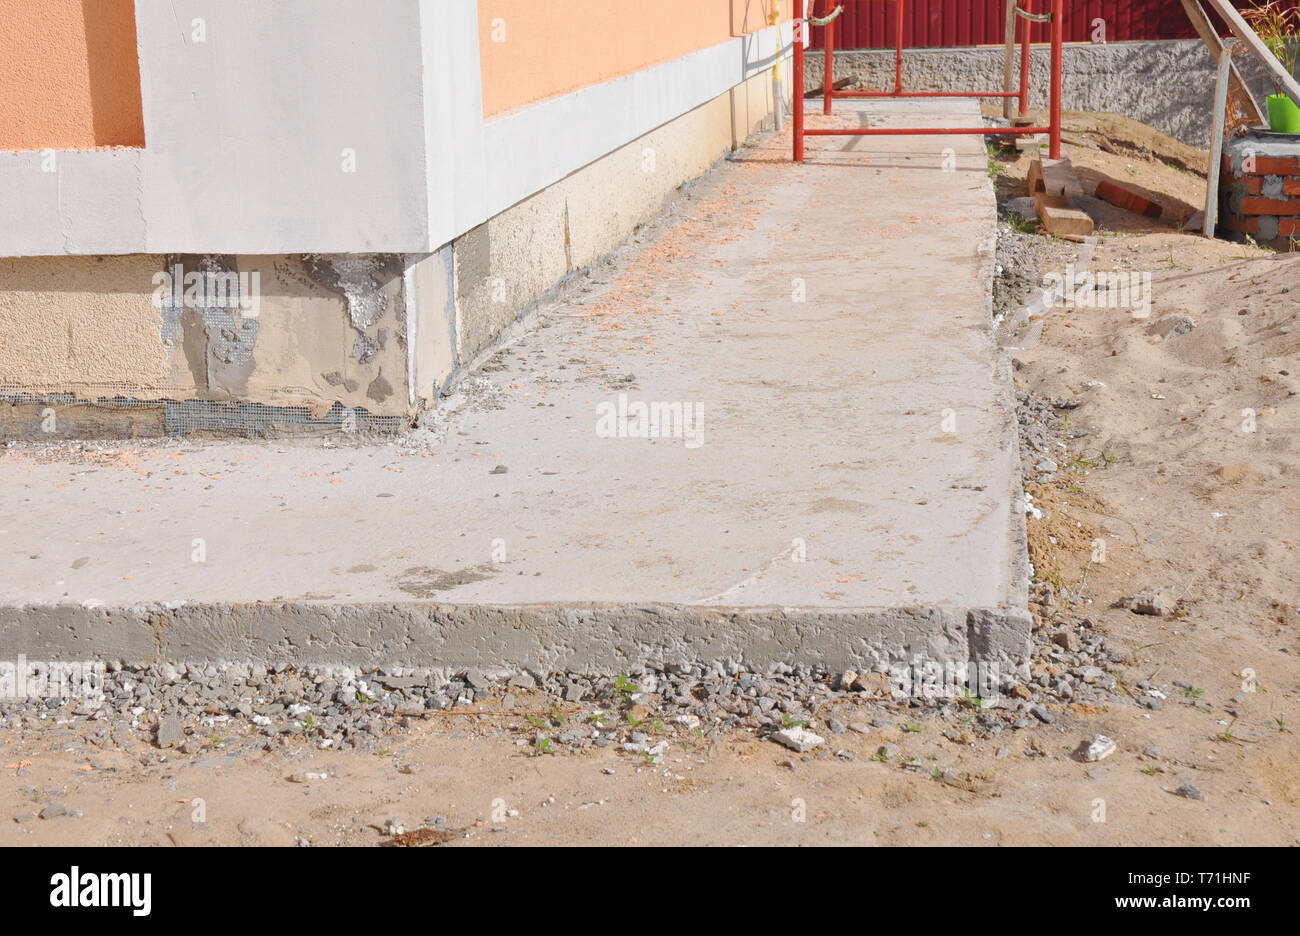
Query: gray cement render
(871,424)
(1168,84)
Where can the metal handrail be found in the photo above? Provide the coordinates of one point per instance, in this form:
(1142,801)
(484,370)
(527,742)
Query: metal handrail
(1053,130)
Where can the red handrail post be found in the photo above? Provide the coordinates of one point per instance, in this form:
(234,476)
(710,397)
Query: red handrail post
(829,78)
(898,53)
(1028,28)
(799,27)
(1058,43)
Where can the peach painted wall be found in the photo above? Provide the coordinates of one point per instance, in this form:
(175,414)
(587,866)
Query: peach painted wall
(555,46)
(69,75)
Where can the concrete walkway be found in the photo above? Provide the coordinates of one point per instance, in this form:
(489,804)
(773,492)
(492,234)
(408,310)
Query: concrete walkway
(826,328)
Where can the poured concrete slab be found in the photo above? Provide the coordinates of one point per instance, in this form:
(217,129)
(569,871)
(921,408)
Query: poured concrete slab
(843,490)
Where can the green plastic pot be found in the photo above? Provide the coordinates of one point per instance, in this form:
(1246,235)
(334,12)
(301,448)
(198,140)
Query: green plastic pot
(1283,115)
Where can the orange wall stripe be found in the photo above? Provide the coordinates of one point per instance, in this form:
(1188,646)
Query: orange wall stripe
(531,50)
(69,75)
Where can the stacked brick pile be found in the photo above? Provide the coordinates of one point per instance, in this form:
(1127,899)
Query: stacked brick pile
(1259,192)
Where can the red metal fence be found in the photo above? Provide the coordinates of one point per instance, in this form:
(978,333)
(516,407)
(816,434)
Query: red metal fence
(1056,21)
(871,24)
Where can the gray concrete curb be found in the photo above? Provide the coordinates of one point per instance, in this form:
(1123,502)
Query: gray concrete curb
(545,638)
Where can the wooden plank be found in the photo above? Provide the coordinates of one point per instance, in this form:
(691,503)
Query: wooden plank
(1208,34)
(1242,31)
(1026,143)
(1216,145)
(1060,217)
(1009,78)
(1055,177)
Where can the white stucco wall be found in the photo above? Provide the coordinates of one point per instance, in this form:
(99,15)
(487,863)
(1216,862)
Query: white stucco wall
(245,133)
(244,139)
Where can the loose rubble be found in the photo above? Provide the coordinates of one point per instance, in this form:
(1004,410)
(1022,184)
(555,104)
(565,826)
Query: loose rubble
(798,739)
(1099,748)
(163,710)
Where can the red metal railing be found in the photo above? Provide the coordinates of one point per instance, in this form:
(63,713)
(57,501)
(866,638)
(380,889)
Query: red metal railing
(1024,20)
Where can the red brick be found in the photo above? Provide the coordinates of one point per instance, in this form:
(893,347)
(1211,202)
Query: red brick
(1275,165)
(1270,206)
(1288,227)
(1252,185)
(1240,225)
(1128,200)
(1290,186)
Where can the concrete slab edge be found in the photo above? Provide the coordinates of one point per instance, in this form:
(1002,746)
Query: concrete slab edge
(577,638)
(1020,569)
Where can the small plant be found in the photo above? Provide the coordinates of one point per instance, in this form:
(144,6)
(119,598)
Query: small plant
(970,701)
(634,722)
(996,170)
(1277,28)
(789,721)
(1281,725)
(1193,693)
(914,727)
(1151,771)
(1019,225)
(880,757)
(598,718)
(1051,577)
(625,687)
(1251,242)
(544,746)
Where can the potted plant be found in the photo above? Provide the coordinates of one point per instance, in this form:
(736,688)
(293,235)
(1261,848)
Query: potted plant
(1279,30)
